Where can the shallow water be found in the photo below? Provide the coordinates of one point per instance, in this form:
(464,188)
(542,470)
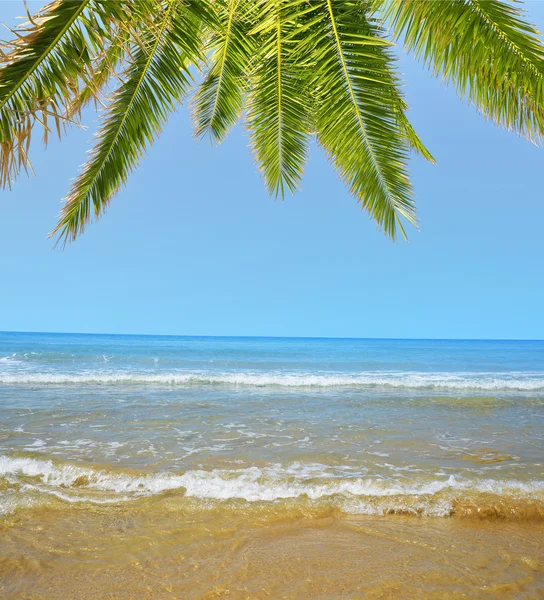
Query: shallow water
(140,466)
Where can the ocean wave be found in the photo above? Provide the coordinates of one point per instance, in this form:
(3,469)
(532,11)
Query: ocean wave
(10,360)
(437,497)
(492,382)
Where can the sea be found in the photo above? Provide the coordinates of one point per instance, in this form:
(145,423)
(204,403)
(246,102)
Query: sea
(139,466)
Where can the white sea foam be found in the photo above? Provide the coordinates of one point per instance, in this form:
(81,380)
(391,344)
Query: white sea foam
(11,502)
(37,444)
(10,360)
(253,484)
(486,382)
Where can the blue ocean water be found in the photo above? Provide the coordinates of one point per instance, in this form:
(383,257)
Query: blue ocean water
(447,364)
(374,426)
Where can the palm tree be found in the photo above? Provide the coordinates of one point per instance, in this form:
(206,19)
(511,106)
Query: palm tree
(292,68)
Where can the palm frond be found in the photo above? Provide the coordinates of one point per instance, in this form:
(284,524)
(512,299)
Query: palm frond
(493,56)
(43,68)
(155,80)
(413,138)
(408,130)
(357,114)
(278,106)
(300,67)
(105,67)
(220,98)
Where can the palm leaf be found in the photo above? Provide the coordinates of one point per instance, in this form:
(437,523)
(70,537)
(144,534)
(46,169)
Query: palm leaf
(154,81)
(357,114)
(43,68)
(220,98)
(411,135)
(485,47)
(104,69)
(278,107)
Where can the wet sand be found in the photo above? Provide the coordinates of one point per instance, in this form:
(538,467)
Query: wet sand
(163,549)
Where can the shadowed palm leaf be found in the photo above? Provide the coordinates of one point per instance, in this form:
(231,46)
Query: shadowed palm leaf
(43,69)
(296,68)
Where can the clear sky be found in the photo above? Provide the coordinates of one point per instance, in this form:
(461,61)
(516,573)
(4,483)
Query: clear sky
(194,245)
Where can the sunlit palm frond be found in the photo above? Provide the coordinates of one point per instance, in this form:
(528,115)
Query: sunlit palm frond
(485,47)
(357,115)
(279,102)
(298,67)
(220,98)
(154,81)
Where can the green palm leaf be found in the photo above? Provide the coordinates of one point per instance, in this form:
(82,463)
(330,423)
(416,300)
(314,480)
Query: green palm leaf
(155,80)
(357,116)
(408,130)
(220,98)
(278,107)
(491,54)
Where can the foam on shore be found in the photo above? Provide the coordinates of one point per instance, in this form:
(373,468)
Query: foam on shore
(439,497)
(489,382)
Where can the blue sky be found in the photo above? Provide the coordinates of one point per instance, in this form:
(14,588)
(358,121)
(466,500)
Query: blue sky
(194,245)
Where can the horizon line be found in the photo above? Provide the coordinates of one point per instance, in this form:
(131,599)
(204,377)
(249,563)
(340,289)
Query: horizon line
(288,337)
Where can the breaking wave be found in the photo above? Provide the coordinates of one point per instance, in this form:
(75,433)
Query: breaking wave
(9,360)
(523,382)
(439,497)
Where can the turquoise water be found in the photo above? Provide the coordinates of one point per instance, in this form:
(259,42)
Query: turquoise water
(373,426)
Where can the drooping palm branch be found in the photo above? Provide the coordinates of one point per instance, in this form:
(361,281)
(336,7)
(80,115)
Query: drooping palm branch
(220,97)
(280,101)
(293,69)
(486,49)
(42,69)
(356,86)
(155,80)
